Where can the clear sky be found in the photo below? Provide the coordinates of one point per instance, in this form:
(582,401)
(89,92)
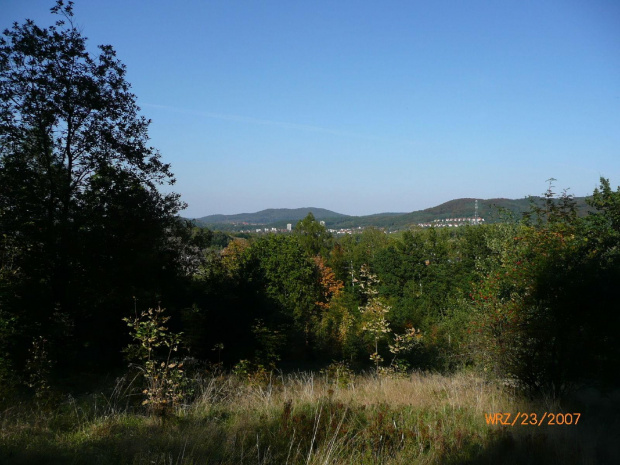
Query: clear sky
(364,106)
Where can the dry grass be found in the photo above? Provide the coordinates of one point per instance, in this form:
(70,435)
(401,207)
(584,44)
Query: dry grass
(306,418)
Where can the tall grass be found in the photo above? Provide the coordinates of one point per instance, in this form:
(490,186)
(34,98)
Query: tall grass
(303,418)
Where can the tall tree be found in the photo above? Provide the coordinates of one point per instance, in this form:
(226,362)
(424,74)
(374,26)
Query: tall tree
(79,181)
(313,236)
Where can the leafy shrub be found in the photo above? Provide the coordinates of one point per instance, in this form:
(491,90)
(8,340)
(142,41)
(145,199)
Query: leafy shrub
(166,384)
(339,373)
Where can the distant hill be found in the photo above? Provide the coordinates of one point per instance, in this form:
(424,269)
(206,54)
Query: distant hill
(269,216)
(488,209)
(491,210)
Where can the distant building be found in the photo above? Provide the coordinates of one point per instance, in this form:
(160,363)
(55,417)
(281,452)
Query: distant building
(289,227)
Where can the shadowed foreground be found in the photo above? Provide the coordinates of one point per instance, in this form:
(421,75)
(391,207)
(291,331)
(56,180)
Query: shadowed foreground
(306,418)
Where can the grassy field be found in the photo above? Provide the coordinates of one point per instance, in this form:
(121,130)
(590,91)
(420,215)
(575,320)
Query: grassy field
(312,419)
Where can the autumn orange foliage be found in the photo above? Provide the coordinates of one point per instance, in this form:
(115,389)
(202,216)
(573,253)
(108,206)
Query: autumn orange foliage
(330,286)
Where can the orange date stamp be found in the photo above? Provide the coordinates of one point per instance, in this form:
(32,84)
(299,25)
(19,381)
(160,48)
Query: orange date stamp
(532,419)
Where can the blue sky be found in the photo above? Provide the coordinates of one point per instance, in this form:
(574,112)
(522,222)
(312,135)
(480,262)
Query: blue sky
(366,107)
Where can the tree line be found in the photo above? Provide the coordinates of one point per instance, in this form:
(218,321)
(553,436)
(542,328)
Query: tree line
(88,242)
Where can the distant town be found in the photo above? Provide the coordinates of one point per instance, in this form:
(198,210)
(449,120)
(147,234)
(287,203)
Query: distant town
(451,222)
(451,214)
(438,223)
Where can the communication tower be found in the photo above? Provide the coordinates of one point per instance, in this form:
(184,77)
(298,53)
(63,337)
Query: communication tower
(476,213)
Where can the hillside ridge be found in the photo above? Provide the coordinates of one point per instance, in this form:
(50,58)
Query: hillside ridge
(489,210)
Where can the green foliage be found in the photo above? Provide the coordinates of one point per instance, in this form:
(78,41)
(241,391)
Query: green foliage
(552,210)
(84,227)
(339,328)
(541,312)
(38,368)
(518,329)
(607,204)
(375,323)
(313,236)
(269,344)
(220,239)
(339,373)
(374,314)
(259,370)
(602,226)
(81,216)
(269,217)
(8,324)
(289,280)
(155,350)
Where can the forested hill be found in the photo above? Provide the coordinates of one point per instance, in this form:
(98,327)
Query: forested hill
(271,215)
(490,210)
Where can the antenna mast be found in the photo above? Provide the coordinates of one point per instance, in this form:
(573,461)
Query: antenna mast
(476,213)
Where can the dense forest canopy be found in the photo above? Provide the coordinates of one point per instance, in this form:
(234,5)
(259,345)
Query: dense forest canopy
(89,243)
(84,226)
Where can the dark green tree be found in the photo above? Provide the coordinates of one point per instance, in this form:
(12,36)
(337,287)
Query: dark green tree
(79,195)
(605,219)
(544,312)
(313,236)
(550,209)
(290,280)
